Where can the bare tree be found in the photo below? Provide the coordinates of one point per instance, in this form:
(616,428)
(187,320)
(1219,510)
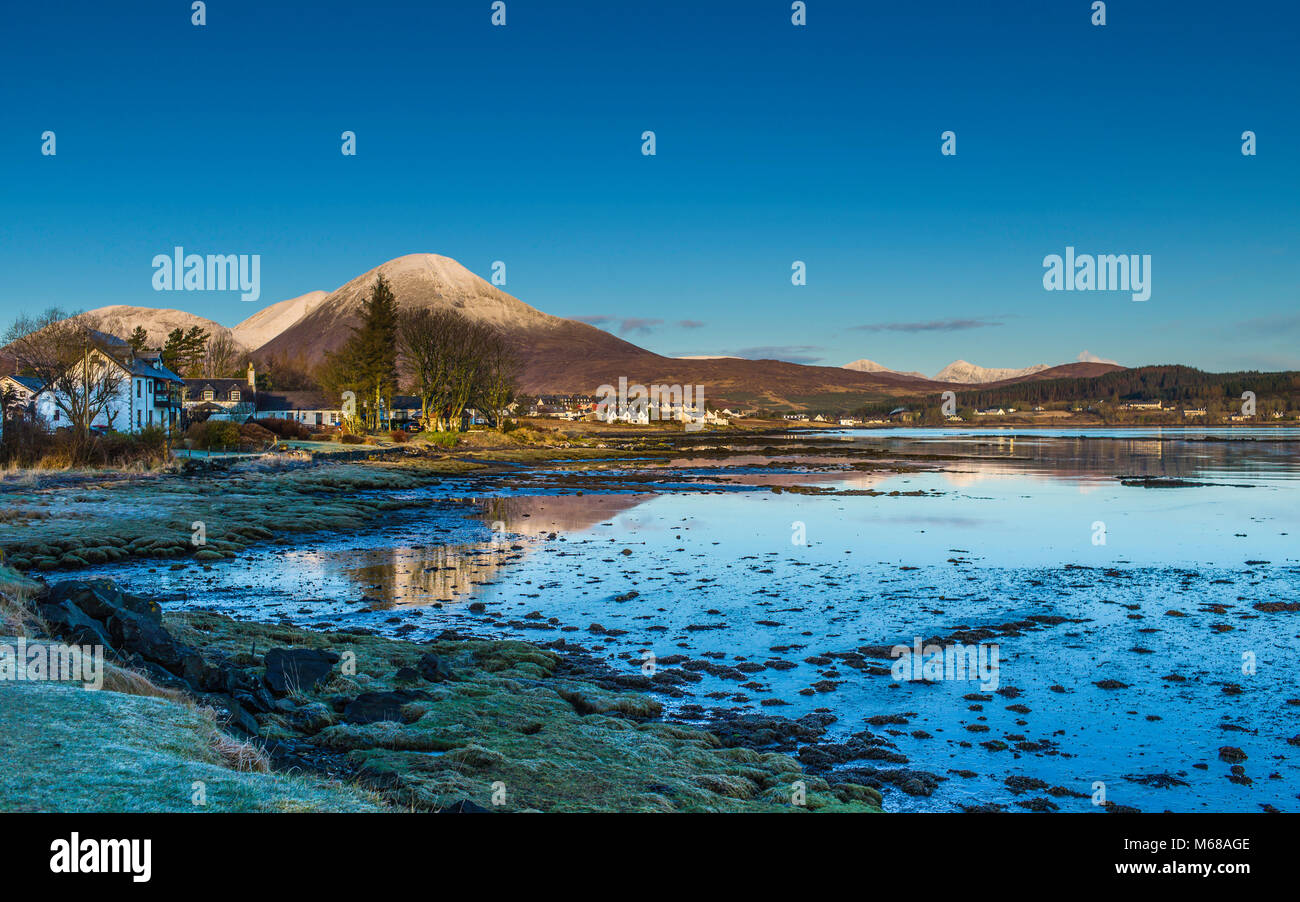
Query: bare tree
(220,356)
(74,361)
(450,361)
(498,377)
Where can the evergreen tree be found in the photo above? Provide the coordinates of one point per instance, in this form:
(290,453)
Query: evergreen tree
(138,340)
(367,362)
(375,350)
(173,352)
(194,347)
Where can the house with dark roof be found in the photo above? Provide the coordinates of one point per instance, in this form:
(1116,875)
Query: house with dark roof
(147,393)
(311,408)
(234,399)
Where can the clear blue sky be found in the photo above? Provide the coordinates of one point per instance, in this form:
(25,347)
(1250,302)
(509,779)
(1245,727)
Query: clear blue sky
(775,144)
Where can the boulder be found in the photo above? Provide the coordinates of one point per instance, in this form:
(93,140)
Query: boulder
(372,707)
(434,669)
(72,624)
(101,599)
(464,806)
(298,669)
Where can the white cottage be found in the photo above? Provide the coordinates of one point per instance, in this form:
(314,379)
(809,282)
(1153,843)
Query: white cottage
(147,393)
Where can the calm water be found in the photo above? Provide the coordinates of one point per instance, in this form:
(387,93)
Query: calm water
(707,565)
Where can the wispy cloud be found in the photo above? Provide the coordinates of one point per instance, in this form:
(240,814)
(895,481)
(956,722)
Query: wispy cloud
(934,325)
(1086,356)
(1288,323)
(690,323)
(635,324)
(630,324)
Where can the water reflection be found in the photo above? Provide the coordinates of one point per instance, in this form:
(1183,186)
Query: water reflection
(423,575)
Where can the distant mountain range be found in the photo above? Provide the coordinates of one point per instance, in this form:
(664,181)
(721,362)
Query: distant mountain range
(562,355)
(958,371)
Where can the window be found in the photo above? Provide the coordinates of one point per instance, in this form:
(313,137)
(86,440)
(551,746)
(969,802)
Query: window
(234,394)
(209,395)
(139,418)
(139,387)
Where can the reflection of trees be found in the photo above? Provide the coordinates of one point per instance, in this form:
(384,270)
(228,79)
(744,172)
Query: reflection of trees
(423,575)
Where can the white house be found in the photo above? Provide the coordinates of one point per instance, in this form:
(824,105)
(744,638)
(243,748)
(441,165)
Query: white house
(147,395)
(311,408)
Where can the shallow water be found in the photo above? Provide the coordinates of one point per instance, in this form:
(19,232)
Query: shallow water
(705,564)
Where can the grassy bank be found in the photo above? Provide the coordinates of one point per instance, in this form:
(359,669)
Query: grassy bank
(56,524)
(511,726)
(501,725)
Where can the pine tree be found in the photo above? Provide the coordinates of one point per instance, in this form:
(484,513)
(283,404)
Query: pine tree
(194,347)
(138,340)
(374,349)
(173,352)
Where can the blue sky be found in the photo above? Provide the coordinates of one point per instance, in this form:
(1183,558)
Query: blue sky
(774,144)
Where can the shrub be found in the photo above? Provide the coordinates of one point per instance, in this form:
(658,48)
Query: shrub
(286,428)
(399,436)
(351,438)
(214,435)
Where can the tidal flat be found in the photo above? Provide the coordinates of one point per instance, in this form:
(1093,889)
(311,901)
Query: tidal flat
(1140,587)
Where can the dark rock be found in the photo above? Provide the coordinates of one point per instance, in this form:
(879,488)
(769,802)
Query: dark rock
(464,806)
(72,624)
(298,669)
(146,637)
(240,718)
(258,700)
(434,669)
(101,599)
(371,707)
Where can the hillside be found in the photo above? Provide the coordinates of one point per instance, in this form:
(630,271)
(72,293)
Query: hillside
(563,355)
(969,373)
(269,322)
(122,319)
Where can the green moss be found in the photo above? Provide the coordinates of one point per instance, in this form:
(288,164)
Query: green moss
(505,720)
(63,749)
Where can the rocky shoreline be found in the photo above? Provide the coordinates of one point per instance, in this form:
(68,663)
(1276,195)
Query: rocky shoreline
(459,724)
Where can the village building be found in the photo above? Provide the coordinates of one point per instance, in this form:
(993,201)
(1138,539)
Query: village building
(147,394)
(227,399)
(24,388)
(310,408)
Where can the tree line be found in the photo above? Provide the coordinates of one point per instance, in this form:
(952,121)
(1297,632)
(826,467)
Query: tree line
(1175,384)
(450,362)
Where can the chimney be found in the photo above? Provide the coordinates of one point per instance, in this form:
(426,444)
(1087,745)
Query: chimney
(252,377)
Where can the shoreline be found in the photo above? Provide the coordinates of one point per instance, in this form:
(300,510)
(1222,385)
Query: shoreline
(510,725)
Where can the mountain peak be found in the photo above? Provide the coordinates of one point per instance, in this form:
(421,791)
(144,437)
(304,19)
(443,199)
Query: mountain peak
(963,371)
(870,366)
